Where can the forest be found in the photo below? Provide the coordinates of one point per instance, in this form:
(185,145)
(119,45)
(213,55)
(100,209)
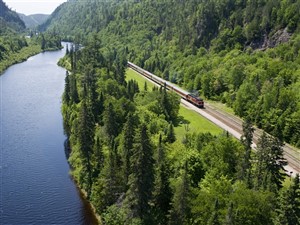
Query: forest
(242,53)
(124,152)
(18,44)
(15,49)
(125,155)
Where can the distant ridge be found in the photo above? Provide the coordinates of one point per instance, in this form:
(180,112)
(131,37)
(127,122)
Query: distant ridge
(9,20)
(33,20)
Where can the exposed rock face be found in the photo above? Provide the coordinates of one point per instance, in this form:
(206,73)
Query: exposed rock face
(281,36)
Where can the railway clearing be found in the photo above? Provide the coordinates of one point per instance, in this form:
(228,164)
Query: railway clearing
(233,125)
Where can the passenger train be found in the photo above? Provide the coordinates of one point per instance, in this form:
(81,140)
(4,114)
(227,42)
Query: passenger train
(183,94)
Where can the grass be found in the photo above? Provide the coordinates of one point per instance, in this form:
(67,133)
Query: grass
(132,75)
(192,121)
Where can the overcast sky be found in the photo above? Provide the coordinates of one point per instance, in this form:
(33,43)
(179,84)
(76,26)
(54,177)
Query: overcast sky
(28,7)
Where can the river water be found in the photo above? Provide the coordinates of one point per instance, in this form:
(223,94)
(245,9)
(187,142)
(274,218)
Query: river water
(35,184)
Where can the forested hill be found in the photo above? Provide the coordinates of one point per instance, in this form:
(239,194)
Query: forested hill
(243,53)
(9,20)
(258,23)
(34,20)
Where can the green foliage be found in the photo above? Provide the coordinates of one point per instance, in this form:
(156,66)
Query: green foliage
(207,47)
(161,190)
(141,179)
(288,211)
(181,200)
(269,168)
(9,20)
(221,156)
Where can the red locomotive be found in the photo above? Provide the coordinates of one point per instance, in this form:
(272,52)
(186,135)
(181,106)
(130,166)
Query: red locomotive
(184,94)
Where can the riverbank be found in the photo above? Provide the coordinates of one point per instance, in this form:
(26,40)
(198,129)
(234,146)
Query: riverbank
(64,63)
(19,57)
(22,55)
(37,188)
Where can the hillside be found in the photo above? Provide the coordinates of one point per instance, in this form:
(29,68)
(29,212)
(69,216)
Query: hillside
(209,47)
(125,150)
(188,23)
(9,20)
(34,20)
(14,46)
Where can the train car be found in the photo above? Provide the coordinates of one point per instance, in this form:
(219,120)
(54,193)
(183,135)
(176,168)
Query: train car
(195,100)
(184,94)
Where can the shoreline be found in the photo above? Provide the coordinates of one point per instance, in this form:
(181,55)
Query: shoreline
(81,191)
(18,57)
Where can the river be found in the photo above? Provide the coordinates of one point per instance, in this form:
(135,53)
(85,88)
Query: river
(36,187)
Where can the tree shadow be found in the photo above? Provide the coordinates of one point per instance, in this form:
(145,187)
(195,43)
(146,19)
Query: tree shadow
(180,120)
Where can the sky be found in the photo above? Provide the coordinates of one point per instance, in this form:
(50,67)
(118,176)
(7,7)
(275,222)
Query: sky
(28,7)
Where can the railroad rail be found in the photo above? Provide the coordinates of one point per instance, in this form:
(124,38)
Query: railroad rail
(228,122)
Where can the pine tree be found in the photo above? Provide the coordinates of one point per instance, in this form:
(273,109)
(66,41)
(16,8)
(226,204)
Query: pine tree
(141,179)
(162,192)
(67,89)
(110,123)
(126,147)
(270,163)
(101,108)
(181,202)
(85,140)
(171,134)
(73,89)
(109,184)
(288,212)
(246,139)
(98,157)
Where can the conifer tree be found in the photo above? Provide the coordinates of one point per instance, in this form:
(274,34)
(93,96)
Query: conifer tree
(162,192)
(98,157)
(85,140)
(126,147)
(288,212)
(181,201)
(171,134)
(110,123)
(140,180)
(270,163)
(246,139)
(101,108)
(73,89)
(110,188)
(67,89)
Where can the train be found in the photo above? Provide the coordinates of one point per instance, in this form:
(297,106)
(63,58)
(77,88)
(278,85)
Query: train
(182,93)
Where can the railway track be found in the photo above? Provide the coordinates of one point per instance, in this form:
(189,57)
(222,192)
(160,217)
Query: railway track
(233,125)
(291,154)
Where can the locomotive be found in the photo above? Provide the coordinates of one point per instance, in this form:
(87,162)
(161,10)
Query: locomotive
(183,94)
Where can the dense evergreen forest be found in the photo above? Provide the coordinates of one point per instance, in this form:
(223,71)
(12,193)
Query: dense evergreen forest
(126,157)
(243,53)
(14,46)
(124,152)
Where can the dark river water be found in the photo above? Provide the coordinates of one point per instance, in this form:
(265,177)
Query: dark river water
(35,184)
